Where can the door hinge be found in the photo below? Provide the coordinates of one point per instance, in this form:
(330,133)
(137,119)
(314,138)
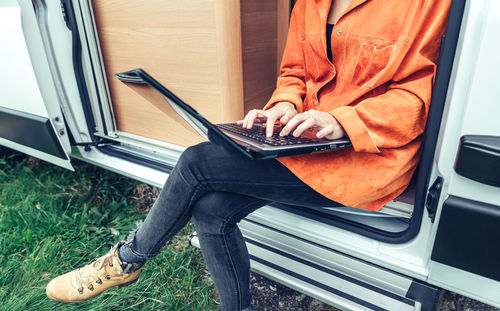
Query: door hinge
(431,203)
(99,143)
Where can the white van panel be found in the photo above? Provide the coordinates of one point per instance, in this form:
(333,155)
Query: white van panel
(472,109)
(25,92)
(15,65)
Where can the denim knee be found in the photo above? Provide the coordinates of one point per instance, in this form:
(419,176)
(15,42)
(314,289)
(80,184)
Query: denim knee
(193,161)
(209,215)
(193,154)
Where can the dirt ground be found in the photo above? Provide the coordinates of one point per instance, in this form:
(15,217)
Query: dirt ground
(271,296)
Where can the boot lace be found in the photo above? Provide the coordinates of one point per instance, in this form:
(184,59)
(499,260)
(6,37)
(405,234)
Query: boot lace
(83,277)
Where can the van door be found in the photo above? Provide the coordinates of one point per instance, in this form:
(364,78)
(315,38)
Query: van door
(30,116)
(464,199)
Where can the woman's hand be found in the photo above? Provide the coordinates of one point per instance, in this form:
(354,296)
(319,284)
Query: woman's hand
(284,111)
(327,126)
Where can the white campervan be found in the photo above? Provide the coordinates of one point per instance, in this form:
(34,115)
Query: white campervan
(57,103)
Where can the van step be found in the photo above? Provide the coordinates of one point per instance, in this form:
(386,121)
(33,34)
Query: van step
(324,281)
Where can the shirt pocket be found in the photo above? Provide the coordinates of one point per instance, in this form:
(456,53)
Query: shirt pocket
(372,61)
(311,60)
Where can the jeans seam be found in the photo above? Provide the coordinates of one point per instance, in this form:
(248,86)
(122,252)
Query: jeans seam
(185,179)
(227,219)
(195,192)
(228,254)
(238,289)
(140,255)
(237,182)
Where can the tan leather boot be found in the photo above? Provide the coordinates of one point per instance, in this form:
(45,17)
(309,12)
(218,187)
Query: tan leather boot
(91,280)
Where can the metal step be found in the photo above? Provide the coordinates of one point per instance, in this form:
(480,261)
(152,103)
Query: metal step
(334,278)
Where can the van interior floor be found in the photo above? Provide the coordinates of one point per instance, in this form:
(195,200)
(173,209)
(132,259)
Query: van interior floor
(393,217)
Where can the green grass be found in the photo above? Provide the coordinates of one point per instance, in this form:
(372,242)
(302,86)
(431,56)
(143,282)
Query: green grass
(53,220)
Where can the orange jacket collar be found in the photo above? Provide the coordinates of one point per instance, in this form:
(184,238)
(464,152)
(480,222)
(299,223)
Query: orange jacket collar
(324,7)
(324,10)
(354,4)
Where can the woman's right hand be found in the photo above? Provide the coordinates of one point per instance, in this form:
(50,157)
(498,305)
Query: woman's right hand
(282,111)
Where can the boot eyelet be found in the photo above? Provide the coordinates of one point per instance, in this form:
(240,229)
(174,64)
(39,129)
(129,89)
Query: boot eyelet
(80,291)
(110,264)
(91,287)
(108,277)
(99,281)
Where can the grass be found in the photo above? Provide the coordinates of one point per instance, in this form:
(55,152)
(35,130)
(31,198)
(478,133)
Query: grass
(53,220)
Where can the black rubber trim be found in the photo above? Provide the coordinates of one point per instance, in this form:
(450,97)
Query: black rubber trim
(429,141)
(468,237)
(328,271)
(426,294)
(78,67)
(30,130)
(479,159)
(433,125)
(157,165)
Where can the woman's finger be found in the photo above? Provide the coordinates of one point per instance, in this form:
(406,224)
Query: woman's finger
(271,119)
(325,132)
(250,115)
(256,113)
(303,126)
(289,114)
(294,121)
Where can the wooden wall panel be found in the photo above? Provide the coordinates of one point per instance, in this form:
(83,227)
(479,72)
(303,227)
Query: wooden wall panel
(259,38)
(174,41)
(218,56)
(283,19)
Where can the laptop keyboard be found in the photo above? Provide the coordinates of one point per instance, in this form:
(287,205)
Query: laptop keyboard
(258,133)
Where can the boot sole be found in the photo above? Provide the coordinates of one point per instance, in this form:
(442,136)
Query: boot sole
(127,284)
(119,286)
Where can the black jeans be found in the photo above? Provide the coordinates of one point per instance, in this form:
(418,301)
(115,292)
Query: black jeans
(218,188)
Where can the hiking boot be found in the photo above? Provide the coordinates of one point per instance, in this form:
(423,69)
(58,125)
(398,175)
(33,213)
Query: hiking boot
(91,280)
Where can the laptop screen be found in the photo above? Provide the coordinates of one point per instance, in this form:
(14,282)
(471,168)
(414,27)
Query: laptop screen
(147,89)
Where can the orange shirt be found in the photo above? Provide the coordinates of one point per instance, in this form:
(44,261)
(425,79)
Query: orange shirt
(378,87)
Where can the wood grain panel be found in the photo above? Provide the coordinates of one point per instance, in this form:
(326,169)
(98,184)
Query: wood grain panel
(174,41)
(259,38)
(283,20)
(228,24)
(218,56)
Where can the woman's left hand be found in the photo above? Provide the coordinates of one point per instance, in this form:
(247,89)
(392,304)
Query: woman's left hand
(327,126)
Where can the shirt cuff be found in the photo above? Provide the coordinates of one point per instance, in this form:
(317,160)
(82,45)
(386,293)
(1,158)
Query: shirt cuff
(285,97)
(355,128)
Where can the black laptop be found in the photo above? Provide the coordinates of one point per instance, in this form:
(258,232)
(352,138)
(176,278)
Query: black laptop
(251,142)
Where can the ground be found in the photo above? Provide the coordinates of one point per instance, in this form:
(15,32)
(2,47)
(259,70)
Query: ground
(271,296)
(53,220)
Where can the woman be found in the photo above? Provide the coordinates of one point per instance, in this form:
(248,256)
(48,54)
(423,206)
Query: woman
(361,68)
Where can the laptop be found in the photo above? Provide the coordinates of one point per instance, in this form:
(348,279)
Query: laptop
(252,143)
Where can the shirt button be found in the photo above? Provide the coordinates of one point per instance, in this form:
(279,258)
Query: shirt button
(339,32)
